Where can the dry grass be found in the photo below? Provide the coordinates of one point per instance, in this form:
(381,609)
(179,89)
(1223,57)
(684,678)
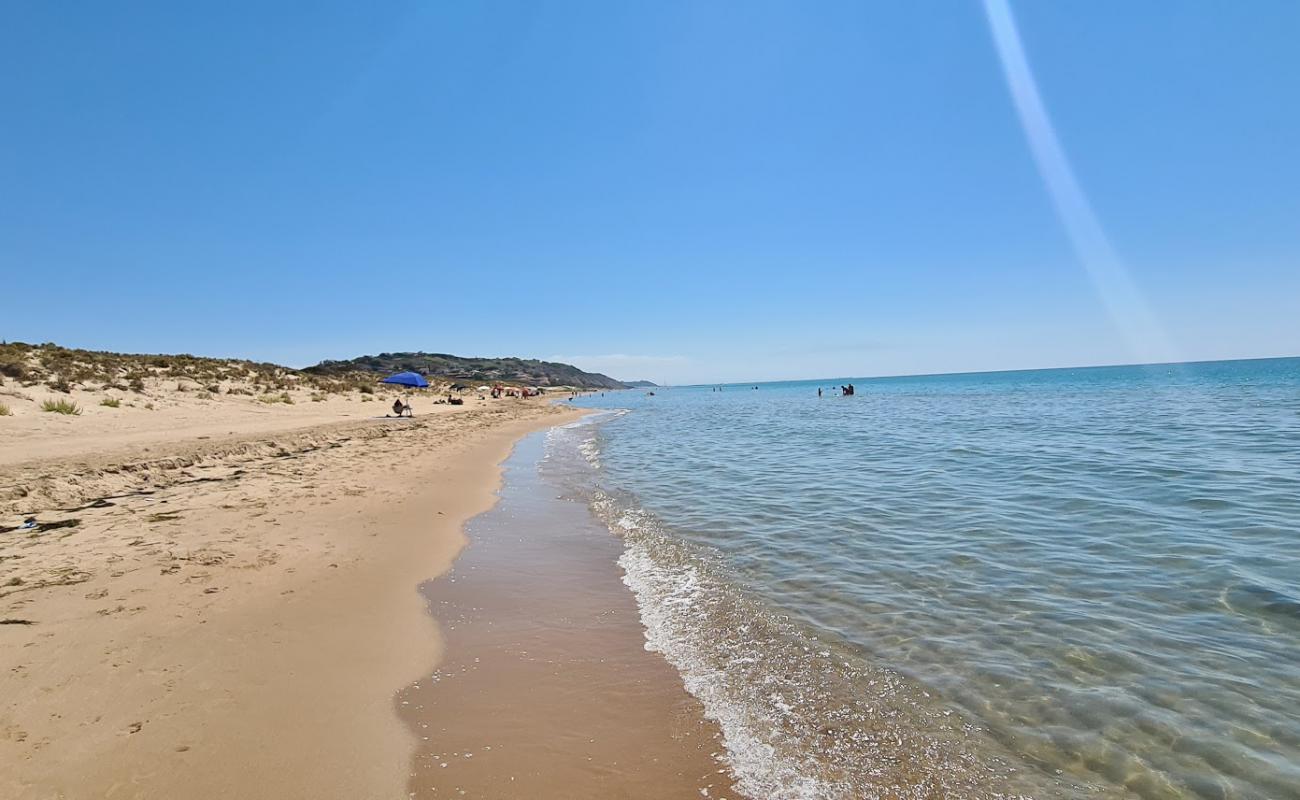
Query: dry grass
(61,407)
(5,411)
(111,402)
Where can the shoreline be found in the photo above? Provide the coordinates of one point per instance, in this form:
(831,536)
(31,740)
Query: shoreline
(236,623)
(547,688)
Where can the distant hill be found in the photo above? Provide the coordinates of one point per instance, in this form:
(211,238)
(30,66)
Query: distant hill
(480,370)
(63,369)
(641,384)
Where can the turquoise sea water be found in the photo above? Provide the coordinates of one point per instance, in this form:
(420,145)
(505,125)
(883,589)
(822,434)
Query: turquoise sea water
(1056,583)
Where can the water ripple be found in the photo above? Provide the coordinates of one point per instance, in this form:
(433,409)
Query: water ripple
(1099,569)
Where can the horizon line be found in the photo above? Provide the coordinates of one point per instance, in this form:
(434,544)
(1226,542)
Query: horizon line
(982,371)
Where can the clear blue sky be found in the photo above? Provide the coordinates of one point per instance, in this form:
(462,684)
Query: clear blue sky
(691,191)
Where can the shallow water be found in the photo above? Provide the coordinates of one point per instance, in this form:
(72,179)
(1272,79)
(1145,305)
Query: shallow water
(1053,583)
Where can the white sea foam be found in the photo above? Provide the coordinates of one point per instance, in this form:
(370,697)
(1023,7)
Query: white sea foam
(799,718)
(590,449)
(666,596)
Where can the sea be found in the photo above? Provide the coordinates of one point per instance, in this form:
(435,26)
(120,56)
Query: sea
(1061,583)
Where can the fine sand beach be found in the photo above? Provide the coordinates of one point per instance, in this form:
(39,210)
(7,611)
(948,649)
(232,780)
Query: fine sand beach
(219,602)
(650,401)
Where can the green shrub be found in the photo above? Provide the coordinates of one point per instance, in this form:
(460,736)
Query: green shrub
(367,389)
(214,388)
(4,411)
(61,385)
(61,407)
(282,397)
(137,385)
(111,402)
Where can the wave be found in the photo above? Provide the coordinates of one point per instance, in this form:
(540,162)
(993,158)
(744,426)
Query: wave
(802,718)
(1258,595)
(802,715)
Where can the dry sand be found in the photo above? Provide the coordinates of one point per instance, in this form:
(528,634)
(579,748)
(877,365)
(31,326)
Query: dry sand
(235,618)
(163,416)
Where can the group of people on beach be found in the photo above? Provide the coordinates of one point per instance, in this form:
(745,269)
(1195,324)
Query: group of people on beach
(402,408)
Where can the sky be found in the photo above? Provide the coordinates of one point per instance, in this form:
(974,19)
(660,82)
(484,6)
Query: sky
(675,191)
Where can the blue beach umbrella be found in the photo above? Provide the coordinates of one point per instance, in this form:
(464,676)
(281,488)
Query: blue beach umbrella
(407,379)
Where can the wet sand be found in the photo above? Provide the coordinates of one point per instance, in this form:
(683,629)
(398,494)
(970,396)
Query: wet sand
(546,689)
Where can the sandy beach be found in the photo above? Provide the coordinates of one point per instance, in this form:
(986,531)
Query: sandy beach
(650,401)
(222,602)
